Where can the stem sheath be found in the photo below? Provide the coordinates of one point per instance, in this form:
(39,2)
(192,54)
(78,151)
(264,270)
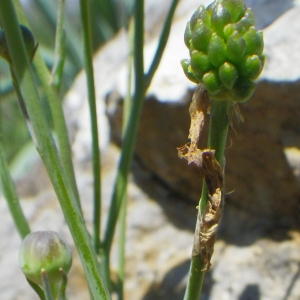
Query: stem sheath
(217,136)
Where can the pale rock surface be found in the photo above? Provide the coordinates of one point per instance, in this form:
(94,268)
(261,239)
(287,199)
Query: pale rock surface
(257,255)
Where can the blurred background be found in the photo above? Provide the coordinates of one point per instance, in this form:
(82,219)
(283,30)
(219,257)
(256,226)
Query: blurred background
(107,17)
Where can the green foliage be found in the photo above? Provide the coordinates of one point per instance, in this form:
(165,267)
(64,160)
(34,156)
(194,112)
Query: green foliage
(107,17)
(32,83)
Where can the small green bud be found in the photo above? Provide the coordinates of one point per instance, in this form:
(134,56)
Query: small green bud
(229,29)
(242,90)
(28,40)
(201,36)
(254,41)
(251,66)
(3,47)
(246,21)
(187,35)
(228,75)
(186,66)
(44,250)
(212,83)
(236,8)
(216,50)
(200,14)
(200,63)
(219,18)
(235,47)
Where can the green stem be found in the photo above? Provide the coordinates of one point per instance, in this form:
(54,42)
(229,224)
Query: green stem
(122,219)
(88,60)
(61,294)
(48,151)
(161,44)
(60,125)
(48,9)
(60,48)
(217,136)
(142,82)
(56,110)
(121,250)
(129,132)
(11,196)
(37,289)
(46,286)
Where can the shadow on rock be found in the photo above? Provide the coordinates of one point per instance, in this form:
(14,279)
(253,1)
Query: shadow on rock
(251,292)
(172,287)
(267,11)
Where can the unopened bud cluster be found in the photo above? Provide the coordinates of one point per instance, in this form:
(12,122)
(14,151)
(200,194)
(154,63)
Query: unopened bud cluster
(225,50)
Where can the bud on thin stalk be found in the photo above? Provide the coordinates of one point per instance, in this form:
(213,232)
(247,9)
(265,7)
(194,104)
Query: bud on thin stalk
(47,251)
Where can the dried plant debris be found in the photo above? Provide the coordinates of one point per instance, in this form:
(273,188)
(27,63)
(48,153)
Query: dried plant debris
(213,211)
(197,110)
(235,116)
(207,222)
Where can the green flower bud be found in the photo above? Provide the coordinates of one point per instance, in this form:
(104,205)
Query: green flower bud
(3,50)
(251,66)
(246,21)
(219,18)
(212,83)
(45,250)
(186,66)
(254,41)
(200,14)
(235,47)
(228,75)
(236,8)
(216,50)
(187,35)
(229,29)
(28,40)
(242,90)
(200,63)
(201,36)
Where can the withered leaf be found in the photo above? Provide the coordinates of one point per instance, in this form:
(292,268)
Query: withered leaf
(197,110)
(208,222)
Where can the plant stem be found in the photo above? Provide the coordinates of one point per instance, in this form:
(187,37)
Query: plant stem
(122,219)
(60,48)
(161,44)
(217,136)
(141,84)
(129,132)
(60,125)
(48,151)
(56,111)
(46,286)
(88,62)
(11,196)
(37,289)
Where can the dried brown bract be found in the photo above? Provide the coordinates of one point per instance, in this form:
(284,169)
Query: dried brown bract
(212,214)
(197,110)
(208,222)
